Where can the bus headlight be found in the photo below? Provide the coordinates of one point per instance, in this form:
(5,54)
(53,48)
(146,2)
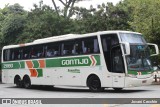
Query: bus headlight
(131,75)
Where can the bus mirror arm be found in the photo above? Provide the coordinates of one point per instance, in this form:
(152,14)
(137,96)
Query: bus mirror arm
(156,48)
(127,48)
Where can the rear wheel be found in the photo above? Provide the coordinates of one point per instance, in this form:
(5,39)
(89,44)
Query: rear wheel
(18,81)
(27,82)
(94,84)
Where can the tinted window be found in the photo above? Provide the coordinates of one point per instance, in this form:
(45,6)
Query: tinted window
(36,51)
(26,52)
(67,47)
(108,41)
(80,46)
(52,49)
(6,55)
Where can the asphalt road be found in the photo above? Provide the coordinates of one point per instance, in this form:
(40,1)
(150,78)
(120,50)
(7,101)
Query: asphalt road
(10,91)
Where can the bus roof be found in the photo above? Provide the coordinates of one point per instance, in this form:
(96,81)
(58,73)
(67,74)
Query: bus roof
(66,37)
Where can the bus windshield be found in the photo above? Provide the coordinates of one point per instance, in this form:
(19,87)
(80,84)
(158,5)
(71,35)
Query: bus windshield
(132,38)
(139,58)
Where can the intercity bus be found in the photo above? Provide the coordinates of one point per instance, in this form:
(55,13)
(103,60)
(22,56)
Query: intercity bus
(105,59)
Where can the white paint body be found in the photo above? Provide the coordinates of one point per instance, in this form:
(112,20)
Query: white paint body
(61,76)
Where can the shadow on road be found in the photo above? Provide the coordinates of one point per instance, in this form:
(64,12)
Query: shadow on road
(57,89)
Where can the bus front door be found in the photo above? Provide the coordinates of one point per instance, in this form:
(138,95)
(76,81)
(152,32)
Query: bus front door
(118,75)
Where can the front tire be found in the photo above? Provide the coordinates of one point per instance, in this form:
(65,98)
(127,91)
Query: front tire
(94,84)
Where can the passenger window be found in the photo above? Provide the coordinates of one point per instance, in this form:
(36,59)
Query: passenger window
(52,49)
(80,46)
(26,52)
(17,54)
(90,45)
(6,54)
(77,47)
(37,51)
(67,47)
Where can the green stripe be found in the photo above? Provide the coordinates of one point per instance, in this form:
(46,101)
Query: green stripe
(35,64)
(22,64)
(97,57)
(57,62)
(142,72)
(53,63)
(40,72)
(13,65)
(73,61)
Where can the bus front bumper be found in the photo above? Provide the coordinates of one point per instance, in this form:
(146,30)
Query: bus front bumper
(136,82)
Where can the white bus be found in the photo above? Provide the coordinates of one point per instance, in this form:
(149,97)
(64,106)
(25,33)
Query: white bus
(106,59)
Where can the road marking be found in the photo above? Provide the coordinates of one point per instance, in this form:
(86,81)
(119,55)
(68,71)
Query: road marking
(105,105)
(155,105)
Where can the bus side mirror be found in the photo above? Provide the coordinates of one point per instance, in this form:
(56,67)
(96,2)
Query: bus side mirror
(126,47)
(154,49)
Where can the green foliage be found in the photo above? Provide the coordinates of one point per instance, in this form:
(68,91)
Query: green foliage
(106,17)
(145,14)
(12,28)
(43,22)
(145,18)
(20,26)
(12,23)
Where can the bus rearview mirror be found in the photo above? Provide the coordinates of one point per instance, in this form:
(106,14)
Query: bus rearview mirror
(154,49)
(126,47)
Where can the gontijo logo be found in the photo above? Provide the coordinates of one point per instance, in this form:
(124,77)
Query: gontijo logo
(75,62)
(79,61)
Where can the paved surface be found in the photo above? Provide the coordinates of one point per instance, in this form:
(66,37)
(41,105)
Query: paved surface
(10,91)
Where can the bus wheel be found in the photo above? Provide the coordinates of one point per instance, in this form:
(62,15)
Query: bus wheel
(94,84)
(26,82)
(117,89)
(17,81)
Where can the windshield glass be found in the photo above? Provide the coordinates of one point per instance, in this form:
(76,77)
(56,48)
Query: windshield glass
(139,59)
(132,38)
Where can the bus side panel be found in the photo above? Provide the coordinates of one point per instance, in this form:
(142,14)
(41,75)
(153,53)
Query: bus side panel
(8,75)
(5,76)
(104,76)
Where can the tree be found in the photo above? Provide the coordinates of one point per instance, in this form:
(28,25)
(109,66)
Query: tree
(145,18)
(104,17)
(12,23)
(68,10)
(42,22)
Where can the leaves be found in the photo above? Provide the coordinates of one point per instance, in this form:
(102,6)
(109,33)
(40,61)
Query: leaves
(12,23)
(20,26)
